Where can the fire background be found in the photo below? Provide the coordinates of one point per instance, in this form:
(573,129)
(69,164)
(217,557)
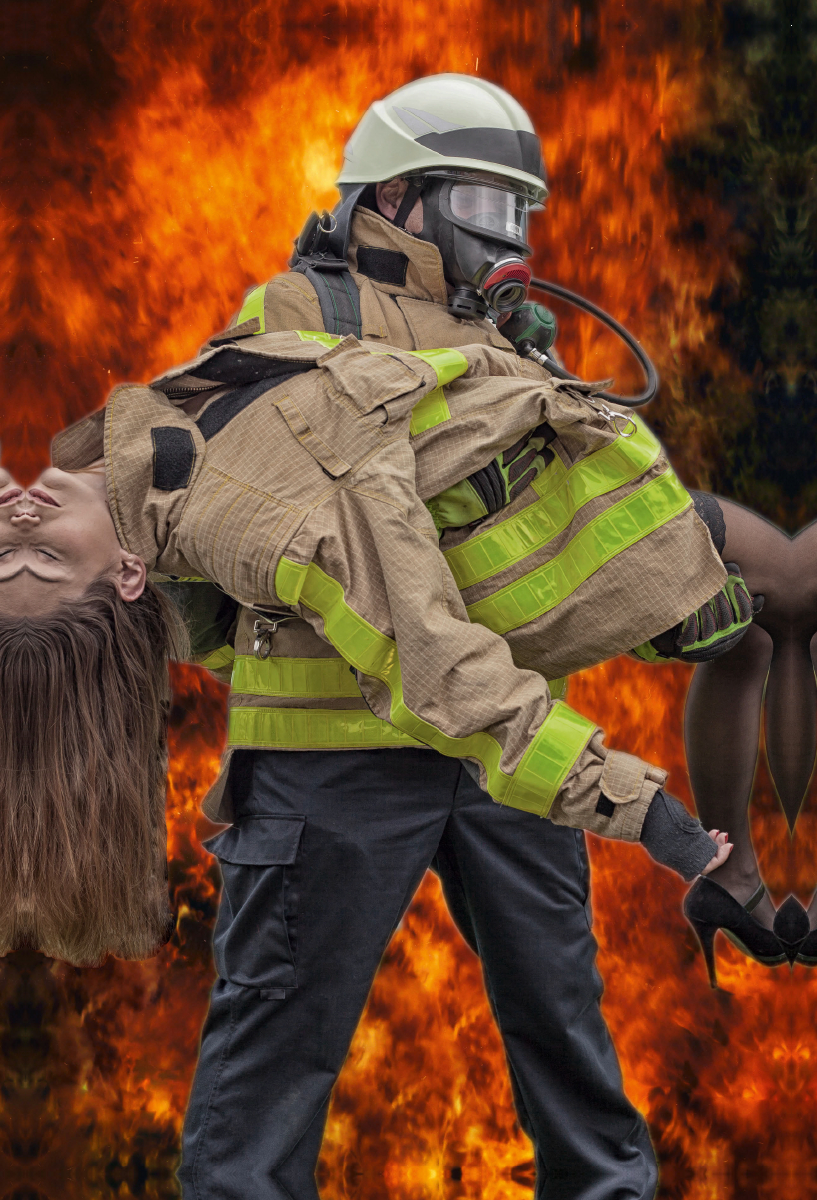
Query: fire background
(157,160)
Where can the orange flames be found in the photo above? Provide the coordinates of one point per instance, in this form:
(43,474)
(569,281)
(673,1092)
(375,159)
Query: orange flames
(145,201)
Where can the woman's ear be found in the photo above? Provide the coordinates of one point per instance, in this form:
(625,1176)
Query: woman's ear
(131,576)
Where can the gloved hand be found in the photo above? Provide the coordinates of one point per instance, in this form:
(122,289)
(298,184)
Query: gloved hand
(495,486)
(676,839)
(711,630)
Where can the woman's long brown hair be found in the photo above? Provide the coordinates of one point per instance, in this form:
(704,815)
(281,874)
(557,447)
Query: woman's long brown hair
(84,697)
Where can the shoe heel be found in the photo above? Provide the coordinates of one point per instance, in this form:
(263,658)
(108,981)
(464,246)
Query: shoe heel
(706,936)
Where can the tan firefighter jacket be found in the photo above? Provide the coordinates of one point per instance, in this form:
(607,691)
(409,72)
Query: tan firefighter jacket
(296,493)
(560,573)
(595,557)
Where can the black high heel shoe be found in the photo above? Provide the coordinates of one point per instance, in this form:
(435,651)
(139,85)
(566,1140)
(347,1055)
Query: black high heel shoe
(791,928)
(807,950)
(709,907)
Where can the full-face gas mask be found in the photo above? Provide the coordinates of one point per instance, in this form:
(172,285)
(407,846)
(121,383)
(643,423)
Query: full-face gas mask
(479,224)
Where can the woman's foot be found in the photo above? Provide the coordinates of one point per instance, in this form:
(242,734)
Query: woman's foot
(709,907)
(742,885)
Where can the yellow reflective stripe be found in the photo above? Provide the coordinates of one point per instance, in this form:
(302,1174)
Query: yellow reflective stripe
(253,306)
(375,654)
(558,688)
(316,677)
(312,729)
(448,364)
(559,741)
(608,534)
(430,411)
(562,493)
(217,659)
(315,335)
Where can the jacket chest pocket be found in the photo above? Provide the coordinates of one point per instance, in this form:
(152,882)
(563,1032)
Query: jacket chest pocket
(335,438)
(255,939)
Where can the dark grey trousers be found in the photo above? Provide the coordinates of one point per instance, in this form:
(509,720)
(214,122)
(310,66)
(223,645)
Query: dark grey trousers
(326,853)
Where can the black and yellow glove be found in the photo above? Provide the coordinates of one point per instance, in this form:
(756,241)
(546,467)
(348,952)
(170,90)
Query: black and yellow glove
(711,630)
(495,486)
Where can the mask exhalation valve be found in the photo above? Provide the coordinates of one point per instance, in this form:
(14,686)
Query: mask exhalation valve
(505,286)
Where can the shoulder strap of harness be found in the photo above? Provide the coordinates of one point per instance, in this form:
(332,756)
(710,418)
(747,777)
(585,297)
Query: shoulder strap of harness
(323,261)
(337,293)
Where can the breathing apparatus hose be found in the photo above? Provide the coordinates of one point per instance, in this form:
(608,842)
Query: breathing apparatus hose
(650,391)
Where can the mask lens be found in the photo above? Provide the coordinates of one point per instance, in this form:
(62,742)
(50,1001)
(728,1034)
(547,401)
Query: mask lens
(490,209)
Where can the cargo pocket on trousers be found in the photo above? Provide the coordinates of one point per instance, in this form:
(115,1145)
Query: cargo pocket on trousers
(254,938)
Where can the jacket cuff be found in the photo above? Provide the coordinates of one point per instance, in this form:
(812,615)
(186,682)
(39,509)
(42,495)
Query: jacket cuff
(607,793)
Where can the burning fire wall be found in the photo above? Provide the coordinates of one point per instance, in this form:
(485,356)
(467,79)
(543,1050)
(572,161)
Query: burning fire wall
(158,160)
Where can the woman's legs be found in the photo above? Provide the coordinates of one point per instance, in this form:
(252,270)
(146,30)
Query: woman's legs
(724,703)
(722,724)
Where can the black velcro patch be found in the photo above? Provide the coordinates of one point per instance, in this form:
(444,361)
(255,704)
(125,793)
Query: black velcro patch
(605,806)
(386,266)
(174,456)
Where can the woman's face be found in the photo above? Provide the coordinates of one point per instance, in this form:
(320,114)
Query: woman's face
(56,538)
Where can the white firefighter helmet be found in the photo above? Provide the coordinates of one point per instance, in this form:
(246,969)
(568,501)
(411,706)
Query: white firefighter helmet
(447,123)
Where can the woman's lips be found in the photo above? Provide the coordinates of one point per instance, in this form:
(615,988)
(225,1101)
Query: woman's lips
(10,495)
(42,497)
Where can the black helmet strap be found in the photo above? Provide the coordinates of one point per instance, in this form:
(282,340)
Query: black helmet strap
(410,198)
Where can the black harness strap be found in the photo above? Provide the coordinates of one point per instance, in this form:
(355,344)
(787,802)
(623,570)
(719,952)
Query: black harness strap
(337,294)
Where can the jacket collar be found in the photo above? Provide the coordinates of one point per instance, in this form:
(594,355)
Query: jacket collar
(424,276)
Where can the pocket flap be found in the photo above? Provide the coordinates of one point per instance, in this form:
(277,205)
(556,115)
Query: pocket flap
(258,841)
(622,777)
(370,378)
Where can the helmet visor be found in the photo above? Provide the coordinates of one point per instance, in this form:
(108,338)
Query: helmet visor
(490,209)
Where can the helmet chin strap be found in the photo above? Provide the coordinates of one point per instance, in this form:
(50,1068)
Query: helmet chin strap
(410,197)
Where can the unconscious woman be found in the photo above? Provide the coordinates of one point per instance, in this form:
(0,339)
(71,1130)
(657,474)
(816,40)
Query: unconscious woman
(295,478)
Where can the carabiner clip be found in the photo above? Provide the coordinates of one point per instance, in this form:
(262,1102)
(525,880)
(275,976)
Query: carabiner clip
(614,417)
(264,632)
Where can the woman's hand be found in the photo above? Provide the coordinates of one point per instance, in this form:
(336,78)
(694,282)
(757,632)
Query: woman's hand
(724,846)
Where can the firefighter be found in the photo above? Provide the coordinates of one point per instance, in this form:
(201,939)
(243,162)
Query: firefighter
(428,243)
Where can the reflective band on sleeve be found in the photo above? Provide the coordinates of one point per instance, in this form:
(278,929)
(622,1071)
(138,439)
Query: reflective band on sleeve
(559,741)
(562,493)
(430,411)
(375,654)
(313,677)
(433,409)
(312,729)
(315,335)
(216,660)
(607,535)
(253,306)
(448,364)
(558,688)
